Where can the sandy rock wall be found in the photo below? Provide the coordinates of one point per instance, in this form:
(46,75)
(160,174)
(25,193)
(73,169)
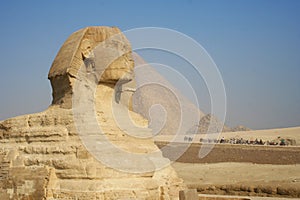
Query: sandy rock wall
(41,154)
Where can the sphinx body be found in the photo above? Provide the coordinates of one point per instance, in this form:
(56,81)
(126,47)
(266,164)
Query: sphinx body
(42,155)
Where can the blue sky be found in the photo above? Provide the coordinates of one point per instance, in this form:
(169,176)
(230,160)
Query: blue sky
(255,44)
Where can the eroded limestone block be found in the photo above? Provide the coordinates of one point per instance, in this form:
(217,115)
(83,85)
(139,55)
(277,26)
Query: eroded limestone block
(42,155)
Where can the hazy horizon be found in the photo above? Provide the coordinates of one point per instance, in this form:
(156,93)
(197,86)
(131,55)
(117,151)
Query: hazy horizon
(255,45)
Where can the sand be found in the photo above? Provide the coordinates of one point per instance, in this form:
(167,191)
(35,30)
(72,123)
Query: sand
(238,173)
(241,178)
(267,134)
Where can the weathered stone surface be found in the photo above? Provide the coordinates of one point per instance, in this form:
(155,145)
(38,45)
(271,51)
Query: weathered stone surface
(78,49)
(42,156)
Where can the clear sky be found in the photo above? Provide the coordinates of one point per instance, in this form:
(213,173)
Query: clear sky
(255,44)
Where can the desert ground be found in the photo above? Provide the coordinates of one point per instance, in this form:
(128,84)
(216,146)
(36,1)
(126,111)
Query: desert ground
(255,179)
(241,178)
(267,134)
